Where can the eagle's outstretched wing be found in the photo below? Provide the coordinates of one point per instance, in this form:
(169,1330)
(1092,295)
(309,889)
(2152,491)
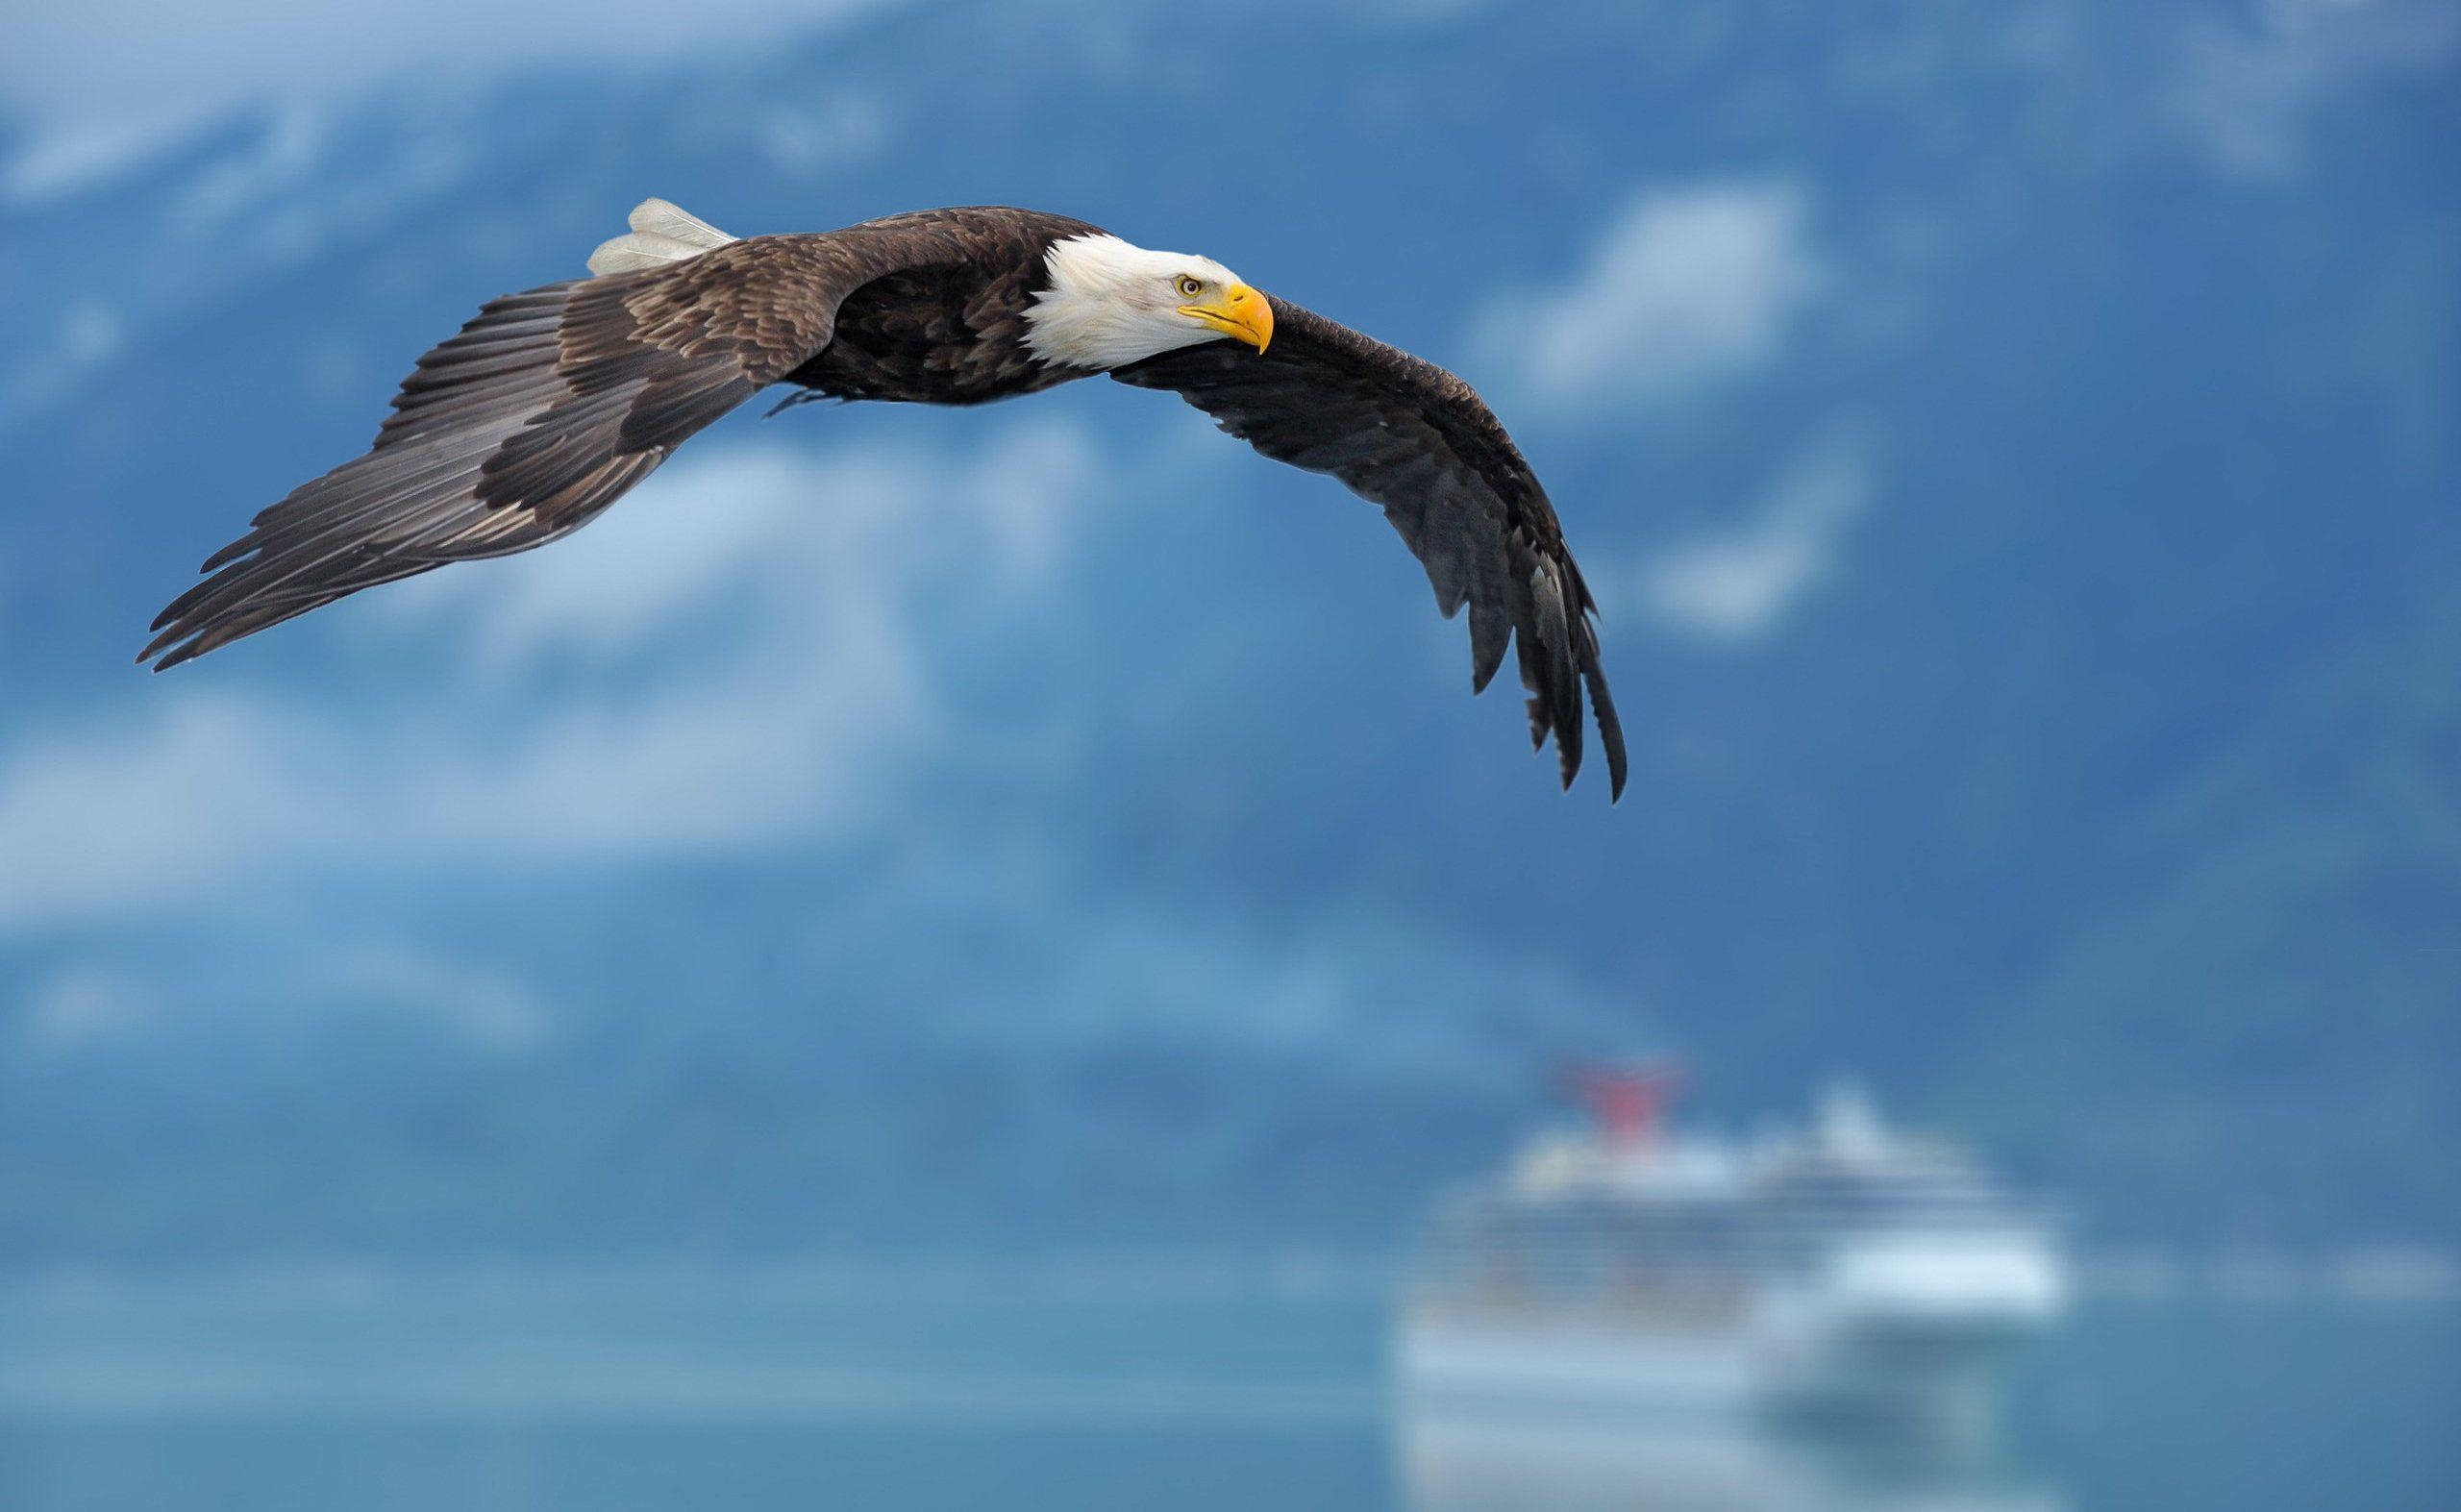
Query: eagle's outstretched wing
(537,416)
(1408,435)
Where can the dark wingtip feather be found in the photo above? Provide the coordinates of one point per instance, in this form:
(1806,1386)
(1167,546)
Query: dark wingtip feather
(162,660)
(155,647)
(231,553)
(1611,730)
(1490,633)
(1567,734)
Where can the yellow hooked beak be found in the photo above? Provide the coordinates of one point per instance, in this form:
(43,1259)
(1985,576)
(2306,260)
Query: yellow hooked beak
(1239,312)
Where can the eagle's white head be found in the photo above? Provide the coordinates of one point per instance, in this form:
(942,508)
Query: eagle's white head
(1111,304)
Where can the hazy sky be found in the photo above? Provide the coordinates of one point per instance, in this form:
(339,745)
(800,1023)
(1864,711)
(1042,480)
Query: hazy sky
(90,79)
(2004,442)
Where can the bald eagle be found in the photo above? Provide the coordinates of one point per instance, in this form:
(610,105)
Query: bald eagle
(553,402)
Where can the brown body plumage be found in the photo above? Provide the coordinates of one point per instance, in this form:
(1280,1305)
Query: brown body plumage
(553,403)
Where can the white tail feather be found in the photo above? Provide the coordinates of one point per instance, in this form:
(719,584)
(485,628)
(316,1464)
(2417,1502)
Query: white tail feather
(661,233)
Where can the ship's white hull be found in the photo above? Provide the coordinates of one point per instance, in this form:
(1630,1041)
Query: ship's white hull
(1771,1366)
(1575,1364)
(1459,1460)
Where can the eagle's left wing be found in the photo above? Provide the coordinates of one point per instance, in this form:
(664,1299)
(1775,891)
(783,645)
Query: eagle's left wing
(1411,436)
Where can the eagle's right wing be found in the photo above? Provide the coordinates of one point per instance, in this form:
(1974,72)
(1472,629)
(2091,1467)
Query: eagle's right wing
(537,416)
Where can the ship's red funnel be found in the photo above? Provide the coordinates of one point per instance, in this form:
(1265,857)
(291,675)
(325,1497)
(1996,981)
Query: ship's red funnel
(1627,1101)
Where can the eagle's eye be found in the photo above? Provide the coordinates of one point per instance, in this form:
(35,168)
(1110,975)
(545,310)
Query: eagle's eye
(1190,287)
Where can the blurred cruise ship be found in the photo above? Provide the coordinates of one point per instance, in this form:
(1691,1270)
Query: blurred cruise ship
(1847,1274)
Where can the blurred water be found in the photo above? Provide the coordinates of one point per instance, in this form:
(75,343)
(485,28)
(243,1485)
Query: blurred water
(1099,1386)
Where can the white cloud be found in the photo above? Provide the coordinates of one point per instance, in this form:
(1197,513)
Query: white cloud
(1739,586)
(86,1004)
(281,157)
(487,1008)
(2251,82)
(103,82)
(1685,288)
(83,1004)
(68,154)
(730,662)
(802,141)
(85,336)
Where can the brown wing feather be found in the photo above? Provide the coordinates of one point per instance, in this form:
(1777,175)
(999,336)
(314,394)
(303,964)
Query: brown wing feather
(537,416)
(1411,436)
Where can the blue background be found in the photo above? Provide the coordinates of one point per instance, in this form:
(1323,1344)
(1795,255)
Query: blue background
(2013,446)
